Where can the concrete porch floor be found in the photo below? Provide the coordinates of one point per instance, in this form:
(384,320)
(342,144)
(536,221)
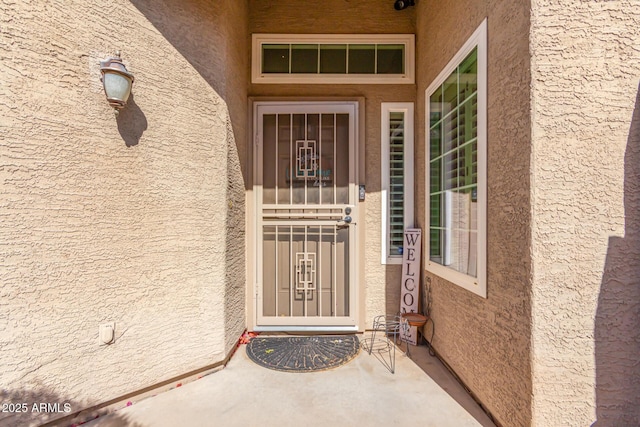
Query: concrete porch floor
(361,393)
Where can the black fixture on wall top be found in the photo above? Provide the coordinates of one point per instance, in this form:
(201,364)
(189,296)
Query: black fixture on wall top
(403,4)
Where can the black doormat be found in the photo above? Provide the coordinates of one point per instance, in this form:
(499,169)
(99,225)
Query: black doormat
(303,354)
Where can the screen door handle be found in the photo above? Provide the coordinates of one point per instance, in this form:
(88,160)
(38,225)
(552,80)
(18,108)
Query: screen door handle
(345,221)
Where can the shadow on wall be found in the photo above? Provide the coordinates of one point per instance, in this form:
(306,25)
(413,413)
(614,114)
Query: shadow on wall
(617,326)
(131,123)
(206,34)
(43,407)
(204,45)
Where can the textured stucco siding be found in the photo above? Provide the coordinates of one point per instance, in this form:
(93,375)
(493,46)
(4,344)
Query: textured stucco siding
(136,220)
(236,37)
(487,341)
(379,284)
(585,204)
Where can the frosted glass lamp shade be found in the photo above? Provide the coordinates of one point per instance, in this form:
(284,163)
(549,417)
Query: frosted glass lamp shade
(117,87)
(117,81)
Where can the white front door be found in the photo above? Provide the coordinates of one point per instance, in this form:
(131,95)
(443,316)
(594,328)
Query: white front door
(306,213)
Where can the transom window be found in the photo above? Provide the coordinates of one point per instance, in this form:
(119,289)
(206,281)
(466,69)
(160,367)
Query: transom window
(456,167)
(333,58)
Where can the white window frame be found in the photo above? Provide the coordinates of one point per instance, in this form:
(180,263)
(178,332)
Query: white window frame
(408,40)
(477,285)
(386,109)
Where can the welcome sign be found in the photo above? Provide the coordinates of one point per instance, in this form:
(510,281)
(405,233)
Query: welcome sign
(410,291)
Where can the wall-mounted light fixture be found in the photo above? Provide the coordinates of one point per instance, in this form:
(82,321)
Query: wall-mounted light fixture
(403,4)
(117,82)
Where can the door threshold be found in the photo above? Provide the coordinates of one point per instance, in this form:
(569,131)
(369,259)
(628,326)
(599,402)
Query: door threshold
(305,329)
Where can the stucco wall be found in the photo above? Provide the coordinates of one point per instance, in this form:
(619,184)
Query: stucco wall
(136,220)
(380,283)
(486,341)
(586,204)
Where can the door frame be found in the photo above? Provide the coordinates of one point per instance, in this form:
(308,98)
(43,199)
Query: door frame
(253,226)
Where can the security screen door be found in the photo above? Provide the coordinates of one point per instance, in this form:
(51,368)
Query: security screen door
(305,169)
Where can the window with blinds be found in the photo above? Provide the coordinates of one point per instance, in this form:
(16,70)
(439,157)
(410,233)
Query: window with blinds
(456,167)
(453,158)
(396,182)
(397,177)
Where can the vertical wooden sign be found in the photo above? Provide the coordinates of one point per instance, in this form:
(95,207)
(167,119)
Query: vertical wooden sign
(410,291)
